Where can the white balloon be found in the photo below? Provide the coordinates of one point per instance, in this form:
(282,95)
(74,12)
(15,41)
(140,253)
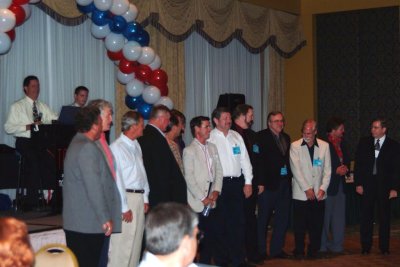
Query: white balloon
(147,55)
(134,88)
(119,7)
(5,43)
(114,42)
(125,78)
(7,20)
(5,3)
(166,101)
(131,14)
(34,1)
(27,9)
(151,94)
(103,5)
(156,63)
(100,32)
(132,50)
(84,2)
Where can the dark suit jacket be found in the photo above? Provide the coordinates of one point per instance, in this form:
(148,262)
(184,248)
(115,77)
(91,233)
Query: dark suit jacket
(336,179)
(90,194)
(165,178)
(387,164)
(270,160)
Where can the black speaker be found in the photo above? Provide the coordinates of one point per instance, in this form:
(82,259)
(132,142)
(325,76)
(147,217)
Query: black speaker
(230,101)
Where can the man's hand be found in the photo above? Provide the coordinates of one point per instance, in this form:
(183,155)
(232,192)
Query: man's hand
(127,216)
(247,190)
(207,201)
(360,189)
(310,194)
(392,194)
(107,228)
(320,195)
(146,207)
(214,196)
(342,170)
(260,189)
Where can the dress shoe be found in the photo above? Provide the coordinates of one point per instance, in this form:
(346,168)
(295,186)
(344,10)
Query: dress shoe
(281,255)
(258,260)
(246,264)
(298,256)
(316,255)
(385,253)
(365,251)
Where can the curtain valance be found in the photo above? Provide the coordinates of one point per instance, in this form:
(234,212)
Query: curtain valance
(218,21)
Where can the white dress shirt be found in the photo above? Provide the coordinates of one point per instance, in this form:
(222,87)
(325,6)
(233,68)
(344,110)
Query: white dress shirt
(150,260)
(131,173)
(233,154)
(21,115)
(381,140)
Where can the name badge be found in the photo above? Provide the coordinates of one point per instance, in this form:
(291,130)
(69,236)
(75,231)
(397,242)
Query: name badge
(284,171)
(256,149)
(317,162)
(236,150)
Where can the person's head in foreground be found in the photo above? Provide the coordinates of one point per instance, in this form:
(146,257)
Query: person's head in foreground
(171,234)
(15,248)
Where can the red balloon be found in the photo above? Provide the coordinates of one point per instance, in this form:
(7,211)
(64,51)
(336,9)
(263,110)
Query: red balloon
(19,13)
(126,66)
(143,73)
(11,34)
(163,90)
(114,56)
(159,77)
(20,2)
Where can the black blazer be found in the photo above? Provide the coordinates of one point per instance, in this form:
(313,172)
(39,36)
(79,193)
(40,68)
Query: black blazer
(387,164)
(336,179)
(166,180)
(270,160)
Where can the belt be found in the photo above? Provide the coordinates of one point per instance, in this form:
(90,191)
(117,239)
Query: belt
(231,177)
(138,191)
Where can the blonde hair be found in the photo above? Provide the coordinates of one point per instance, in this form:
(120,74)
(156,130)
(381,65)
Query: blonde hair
(15,247)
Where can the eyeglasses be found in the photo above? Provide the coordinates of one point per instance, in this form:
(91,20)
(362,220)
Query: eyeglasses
(276,121)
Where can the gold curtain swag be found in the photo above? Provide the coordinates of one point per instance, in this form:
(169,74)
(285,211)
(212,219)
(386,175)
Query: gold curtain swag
(218,21)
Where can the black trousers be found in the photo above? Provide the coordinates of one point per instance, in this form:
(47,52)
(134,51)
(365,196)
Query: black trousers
(86,247)
(375,194)
(39,170)
(230,223)
(251,225)
(207,246)
(308,216)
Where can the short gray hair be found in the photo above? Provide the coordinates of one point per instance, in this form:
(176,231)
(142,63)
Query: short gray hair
(130,118)
(166,226)
(101,104)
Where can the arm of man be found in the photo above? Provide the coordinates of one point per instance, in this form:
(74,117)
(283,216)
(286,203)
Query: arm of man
(93,180)
(298,175)
(189,161)
(326,173)
(247,169)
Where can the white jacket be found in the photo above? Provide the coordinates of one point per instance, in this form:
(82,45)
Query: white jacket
(307,175)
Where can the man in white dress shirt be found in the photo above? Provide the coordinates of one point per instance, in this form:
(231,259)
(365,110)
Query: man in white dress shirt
(134,190)
(310,162)
(24,117)
(237,179)
(171,236)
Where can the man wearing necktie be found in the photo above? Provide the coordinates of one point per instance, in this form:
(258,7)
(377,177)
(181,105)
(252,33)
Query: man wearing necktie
(376,176)
(25,115)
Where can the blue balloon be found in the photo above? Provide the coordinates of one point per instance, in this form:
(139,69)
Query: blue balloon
(86,9)
(117,24)
(145,109)
(133,102)
(100,18)
(143,38)
(131,29)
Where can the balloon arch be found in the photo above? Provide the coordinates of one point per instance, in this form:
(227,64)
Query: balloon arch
(113,21)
